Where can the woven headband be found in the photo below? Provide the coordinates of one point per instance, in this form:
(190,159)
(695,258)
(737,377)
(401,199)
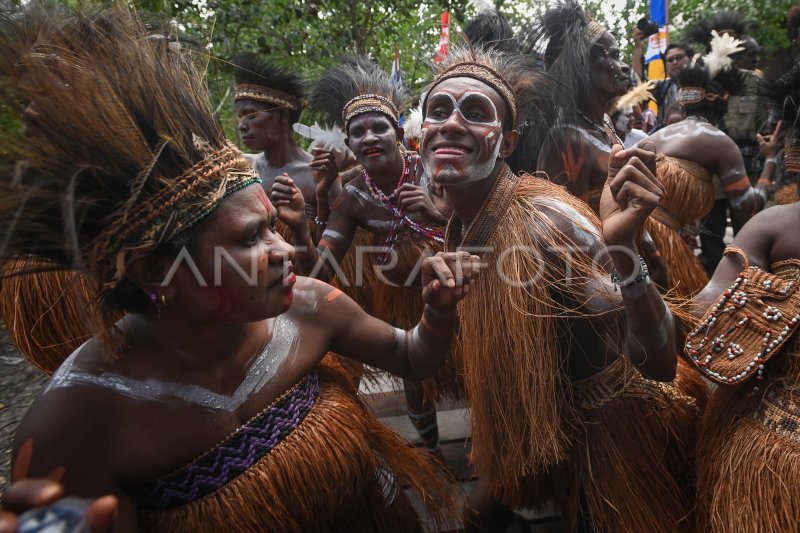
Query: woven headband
(142,226)
(482,73)
(694,95)
(367,103)
(594,31)
(260,93)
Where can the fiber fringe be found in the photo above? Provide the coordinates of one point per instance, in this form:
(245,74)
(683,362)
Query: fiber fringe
(518,384)
(748,474)
(321,478)
(640,476)
(787,194)
(686,274)
(532,440)
(46,312)
(689,196)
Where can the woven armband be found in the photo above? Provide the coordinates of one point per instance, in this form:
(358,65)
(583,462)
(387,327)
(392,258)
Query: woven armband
(746,326)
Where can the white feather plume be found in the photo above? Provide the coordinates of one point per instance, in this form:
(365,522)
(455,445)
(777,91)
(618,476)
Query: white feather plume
(329,138)
(482,5)
(722,46)
(413,125)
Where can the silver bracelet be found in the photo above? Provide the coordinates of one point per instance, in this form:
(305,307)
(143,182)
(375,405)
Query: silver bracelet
(319,222)
(644,274)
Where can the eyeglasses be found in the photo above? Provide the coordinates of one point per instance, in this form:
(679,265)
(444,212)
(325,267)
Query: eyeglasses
(676,58)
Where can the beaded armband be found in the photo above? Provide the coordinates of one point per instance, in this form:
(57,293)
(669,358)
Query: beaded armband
(748,324)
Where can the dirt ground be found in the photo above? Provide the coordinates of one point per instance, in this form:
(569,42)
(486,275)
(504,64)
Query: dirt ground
(19,385)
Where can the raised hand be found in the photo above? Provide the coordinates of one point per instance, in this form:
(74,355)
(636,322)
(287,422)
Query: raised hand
(288,199)
(28,494)
(414,199)
(447,277)
(770,145)
(631,193)
(325,170)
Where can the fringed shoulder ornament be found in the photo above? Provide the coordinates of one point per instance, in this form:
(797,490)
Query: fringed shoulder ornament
(747,325)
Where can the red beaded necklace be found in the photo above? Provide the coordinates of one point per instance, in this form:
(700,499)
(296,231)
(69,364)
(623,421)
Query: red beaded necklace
(389,202)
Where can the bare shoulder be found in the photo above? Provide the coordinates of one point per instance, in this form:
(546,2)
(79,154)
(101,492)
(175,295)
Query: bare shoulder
(572,221)
(66,429)
(318,300)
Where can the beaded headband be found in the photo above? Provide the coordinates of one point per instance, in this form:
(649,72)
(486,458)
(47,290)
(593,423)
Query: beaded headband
(260,93)
(366,103)
(187,199)
(791,156)
(694,95)
(594,31)
(482,73)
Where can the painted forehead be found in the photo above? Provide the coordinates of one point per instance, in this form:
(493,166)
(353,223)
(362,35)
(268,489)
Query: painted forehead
(370,117)
(458,87)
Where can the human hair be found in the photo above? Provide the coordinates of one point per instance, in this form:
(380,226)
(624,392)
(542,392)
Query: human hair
(251,70)
(351,77)
(490,29)
(682,46)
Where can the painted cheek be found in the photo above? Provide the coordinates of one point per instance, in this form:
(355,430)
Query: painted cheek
(490,140)
(221,301)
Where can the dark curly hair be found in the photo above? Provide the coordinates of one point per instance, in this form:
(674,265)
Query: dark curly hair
(251,69)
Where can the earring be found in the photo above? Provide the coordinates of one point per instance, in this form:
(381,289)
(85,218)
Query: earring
(153,296)
(163,299)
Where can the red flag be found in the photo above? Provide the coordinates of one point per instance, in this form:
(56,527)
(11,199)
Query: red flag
(444,38)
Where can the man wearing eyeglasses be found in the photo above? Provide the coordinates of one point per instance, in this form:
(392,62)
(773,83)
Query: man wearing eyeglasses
(665,92)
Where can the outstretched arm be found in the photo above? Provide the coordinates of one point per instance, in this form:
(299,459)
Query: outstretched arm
(631,194)
(414,354)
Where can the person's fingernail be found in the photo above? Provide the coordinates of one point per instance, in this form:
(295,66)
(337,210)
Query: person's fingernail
(50,492)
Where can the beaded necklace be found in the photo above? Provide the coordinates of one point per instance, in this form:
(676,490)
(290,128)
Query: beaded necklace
(399,218)
(608,131)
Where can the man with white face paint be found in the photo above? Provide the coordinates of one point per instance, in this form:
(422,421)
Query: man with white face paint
(548,347)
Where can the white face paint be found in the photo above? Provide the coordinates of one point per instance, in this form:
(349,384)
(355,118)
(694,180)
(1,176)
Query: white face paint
(623,122)
(452,158)
(260,373)
(468,99)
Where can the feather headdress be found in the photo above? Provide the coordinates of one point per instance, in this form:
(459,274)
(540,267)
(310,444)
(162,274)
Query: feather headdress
(124,150)
(357,76)
(722,47)
(723,22)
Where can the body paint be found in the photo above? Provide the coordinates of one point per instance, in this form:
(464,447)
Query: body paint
(259,374)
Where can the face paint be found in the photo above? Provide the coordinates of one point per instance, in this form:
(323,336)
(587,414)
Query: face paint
(471,101)
(462,132)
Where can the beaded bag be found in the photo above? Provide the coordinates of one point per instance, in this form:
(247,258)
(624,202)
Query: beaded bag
(746,326)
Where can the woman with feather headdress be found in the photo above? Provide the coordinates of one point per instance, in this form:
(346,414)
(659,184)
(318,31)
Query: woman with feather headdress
(385,214)
(692,152)
(210,405)
(747,343)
